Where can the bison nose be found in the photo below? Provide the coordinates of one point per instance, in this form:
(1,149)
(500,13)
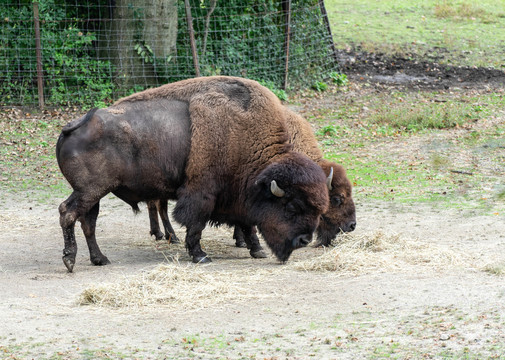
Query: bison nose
(302,240)
(352,226)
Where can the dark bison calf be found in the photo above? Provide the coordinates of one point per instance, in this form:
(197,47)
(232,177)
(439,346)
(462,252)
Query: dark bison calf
(220,144)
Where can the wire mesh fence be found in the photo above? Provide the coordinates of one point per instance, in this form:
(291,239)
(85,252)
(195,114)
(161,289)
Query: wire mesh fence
(91,52)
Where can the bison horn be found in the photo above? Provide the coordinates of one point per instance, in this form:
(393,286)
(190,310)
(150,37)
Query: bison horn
(276,190)
(329,178)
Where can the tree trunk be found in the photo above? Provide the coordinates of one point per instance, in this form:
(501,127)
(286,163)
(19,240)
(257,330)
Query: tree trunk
(140,40)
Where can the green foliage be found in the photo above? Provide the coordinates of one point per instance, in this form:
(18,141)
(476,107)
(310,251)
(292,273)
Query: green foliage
(72,66)
(245,38)
(320,86)
(281,94)
(68,57)
(145,52)
(249,40)
(328,130)
(338,78)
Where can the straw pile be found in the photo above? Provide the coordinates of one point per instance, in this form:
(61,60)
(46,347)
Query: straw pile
(175,286)
(364,253)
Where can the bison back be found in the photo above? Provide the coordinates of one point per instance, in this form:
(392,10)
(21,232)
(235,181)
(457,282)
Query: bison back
(136,150)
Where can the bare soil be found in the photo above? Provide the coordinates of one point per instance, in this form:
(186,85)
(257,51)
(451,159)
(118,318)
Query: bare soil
(414,312)
(457,311)
(416,73)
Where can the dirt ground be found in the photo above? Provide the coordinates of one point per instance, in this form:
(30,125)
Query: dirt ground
(413,312)
(453,310)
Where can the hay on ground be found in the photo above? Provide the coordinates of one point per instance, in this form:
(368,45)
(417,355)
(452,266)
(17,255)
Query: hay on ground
(363,253)
(495,268)
(173,285)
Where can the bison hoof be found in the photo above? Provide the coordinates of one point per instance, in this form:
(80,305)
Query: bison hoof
(100,261)
(172,239)
(69,263)
(201,259)
(157,235)
(240,243)
(258,254)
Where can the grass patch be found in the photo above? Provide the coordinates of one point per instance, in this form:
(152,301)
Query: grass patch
(445,148)
(462,11)
(27,152)
(421,117)
(450,32)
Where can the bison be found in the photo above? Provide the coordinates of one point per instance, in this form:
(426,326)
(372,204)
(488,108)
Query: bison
(341,214)
(220,145)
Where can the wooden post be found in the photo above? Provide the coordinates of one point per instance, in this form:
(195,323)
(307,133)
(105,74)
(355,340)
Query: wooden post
(287,9)
(192,37)
(38,54)
(327,23)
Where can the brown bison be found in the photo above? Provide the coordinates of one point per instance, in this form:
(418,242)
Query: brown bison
(220,144)
(341,214)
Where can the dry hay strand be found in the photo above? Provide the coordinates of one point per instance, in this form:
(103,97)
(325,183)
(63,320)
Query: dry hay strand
(496,268)
(366,253)
(175,286)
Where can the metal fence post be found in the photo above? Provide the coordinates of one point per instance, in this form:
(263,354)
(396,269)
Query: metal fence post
(38,54)
(327,23)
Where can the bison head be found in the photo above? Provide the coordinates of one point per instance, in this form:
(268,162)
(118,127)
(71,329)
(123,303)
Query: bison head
(341,214)
(286,202)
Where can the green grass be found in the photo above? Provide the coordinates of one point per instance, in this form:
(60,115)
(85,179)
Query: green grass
(346,127)
(452,32)
(369,134)
(28,164)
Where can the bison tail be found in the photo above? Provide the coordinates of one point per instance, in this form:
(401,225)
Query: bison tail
(71,126)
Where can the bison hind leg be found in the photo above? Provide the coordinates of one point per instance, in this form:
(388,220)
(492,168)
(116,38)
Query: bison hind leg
(153,220)
(169,230)
(68,217)
(88,225)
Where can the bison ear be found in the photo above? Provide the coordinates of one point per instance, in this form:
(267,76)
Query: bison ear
(276,190)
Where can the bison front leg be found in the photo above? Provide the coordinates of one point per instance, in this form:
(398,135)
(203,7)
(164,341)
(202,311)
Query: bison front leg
(238,236)
(253,243)
(193,236)
(193,210)
(88,225)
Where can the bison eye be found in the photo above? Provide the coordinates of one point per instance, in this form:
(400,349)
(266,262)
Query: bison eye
(292,209)
(337,200)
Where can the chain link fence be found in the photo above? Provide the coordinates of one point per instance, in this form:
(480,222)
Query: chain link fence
(91,52)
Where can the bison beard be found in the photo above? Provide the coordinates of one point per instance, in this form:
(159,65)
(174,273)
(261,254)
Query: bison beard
(238,148)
